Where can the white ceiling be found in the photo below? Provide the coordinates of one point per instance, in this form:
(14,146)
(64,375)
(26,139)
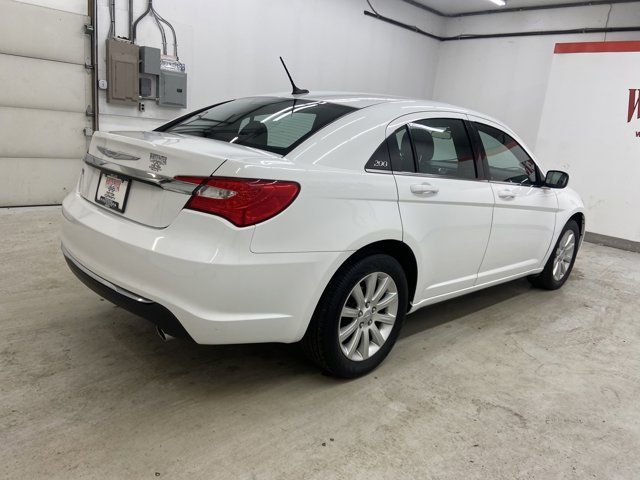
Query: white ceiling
(463,6)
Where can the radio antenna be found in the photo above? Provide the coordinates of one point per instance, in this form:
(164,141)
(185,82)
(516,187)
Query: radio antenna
(296,90)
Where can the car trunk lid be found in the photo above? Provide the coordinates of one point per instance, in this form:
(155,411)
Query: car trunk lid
(146,163)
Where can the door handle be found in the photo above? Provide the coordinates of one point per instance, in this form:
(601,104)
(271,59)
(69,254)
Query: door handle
(507,194)
(424,188)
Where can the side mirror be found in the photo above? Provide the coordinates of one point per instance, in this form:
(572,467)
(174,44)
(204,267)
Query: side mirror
(556,179)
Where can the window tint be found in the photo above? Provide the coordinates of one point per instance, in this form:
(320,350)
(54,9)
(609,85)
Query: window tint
(286,130)
(401,151)
(269,123)
(507,160)
(442,147)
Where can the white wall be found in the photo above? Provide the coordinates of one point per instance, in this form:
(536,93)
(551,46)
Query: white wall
(231,49)
(585,131)
(507,77)
(71,6)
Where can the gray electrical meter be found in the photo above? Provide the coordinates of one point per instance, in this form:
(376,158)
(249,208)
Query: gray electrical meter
(172,87)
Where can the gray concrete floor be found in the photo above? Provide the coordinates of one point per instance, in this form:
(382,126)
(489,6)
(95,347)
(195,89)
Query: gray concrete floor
(509,383)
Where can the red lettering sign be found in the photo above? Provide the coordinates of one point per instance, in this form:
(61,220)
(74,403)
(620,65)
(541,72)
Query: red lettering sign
(634,104)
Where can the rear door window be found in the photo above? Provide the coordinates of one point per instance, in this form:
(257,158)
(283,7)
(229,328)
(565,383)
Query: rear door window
(435,146)
(401,151)
(442,147)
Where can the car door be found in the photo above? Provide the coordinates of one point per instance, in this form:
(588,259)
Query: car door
(445,209)
(525,212)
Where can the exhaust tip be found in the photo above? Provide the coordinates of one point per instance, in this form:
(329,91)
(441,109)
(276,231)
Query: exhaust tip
(165,337)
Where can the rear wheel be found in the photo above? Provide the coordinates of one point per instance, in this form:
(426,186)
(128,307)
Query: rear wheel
(358,318)
(561,261)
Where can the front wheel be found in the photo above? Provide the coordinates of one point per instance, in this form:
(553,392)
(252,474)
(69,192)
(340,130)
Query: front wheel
(359,316)
(561,261)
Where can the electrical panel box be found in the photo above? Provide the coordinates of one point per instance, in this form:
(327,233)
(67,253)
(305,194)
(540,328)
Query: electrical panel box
(150,60)
(146,87)
(122,72)
(172,89)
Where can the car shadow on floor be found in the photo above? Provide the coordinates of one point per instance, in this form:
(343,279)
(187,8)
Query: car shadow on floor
(217,369)
(451,310)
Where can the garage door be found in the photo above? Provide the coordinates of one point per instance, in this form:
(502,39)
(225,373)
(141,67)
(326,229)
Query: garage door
(44,93)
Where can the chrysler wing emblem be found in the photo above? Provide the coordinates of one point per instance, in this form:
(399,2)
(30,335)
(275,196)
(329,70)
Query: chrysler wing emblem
(117,155)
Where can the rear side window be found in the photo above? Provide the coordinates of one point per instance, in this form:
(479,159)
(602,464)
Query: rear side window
(273,124)
(506,159)
(442,147)
(437,146)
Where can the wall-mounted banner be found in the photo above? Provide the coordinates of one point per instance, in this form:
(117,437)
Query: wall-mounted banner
(590,127)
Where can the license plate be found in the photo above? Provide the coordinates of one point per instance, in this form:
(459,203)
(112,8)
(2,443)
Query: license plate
(113,191)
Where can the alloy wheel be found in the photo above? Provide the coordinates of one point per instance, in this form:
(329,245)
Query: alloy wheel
(368,316)
(564,255)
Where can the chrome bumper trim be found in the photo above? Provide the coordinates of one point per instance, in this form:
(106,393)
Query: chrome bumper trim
(101,280)
(166,183)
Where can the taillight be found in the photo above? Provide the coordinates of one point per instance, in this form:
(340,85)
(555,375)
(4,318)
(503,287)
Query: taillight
(242,201)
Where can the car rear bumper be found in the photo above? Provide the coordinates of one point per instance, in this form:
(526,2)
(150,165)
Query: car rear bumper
(145,308)
(197,276)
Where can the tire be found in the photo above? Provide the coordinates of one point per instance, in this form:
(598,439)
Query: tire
(548,278)
(339,308)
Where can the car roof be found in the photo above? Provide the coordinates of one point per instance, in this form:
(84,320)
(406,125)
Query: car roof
(365,100)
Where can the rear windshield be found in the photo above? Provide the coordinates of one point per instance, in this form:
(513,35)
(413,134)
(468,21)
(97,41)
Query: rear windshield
(274,124)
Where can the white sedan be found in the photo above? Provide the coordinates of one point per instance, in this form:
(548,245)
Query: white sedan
(321,218)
